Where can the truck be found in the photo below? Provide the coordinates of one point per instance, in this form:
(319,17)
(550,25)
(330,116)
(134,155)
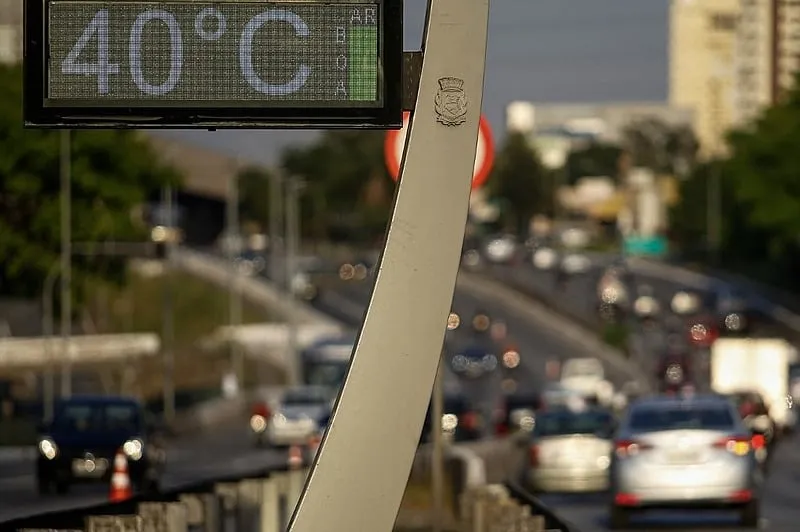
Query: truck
(756,365)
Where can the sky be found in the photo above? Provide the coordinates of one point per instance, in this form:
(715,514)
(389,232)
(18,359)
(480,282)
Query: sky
(543,51)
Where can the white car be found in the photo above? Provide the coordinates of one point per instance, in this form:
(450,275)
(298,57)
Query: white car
(303,412)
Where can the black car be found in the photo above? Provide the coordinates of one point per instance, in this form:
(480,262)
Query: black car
(460,420)
(80,442)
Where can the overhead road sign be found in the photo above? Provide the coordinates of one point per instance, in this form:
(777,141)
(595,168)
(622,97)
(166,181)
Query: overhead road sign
(186,64)
(484,157)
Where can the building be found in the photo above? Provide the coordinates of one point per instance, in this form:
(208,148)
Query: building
(703,50)
(556,129)
(768,54)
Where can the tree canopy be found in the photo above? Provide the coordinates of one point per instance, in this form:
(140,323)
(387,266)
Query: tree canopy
(112,173)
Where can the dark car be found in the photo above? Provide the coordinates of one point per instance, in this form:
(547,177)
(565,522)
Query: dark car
(461,421)
(519,412)
(80,442)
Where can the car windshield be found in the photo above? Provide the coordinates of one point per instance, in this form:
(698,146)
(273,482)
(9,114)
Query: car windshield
(93,417)
(305,397)
(329,374)
(653,419)
(564,423)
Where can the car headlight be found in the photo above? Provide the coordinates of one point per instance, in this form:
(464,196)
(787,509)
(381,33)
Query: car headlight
(489,362)
(449,422)
(278,419)
(133,449)
(453,321)
(459,363)
(511,359)
(48,448)
(258,423)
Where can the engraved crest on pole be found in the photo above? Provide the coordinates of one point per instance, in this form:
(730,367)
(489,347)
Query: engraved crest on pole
(451,102)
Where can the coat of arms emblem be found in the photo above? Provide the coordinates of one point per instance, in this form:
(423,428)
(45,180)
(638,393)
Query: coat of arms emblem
(451,102)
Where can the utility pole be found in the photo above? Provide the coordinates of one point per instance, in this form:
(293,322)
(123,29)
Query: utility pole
(66,261)
(168,320)
(275,225)
(293,189)
(234,292)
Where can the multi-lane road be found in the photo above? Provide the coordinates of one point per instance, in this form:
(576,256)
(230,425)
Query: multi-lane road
(539,338)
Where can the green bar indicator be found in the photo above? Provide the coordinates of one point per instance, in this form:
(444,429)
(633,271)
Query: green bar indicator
(363,63)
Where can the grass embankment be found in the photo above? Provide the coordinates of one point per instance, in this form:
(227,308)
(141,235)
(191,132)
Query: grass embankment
(198,309)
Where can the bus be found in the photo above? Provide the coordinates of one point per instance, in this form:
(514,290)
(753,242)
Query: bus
(326,362)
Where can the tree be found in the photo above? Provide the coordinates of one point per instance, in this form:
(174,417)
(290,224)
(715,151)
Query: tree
(518,181)
(342,170)
(660,146)
(112,172)
(764,166)
(596,159)
(254,195)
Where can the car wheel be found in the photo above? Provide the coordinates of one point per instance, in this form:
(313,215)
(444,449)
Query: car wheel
(749,514)
(619,518)
(62,487)
(44,486)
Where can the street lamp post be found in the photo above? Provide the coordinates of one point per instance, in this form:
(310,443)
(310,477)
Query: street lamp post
(294,188)
(66,261)
(233,237)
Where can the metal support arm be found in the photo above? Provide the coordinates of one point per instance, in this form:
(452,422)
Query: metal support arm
(359,476)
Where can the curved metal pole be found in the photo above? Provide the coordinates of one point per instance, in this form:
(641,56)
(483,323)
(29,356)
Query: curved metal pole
(359,476)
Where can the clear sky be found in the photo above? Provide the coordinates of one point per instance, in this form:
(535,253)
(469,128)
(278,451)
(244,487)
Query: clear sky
(539,50)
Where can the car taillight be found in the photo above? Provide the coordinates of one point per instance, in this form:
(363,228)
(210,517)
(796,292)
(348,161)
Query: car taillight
(260,409)
(533,455)
(501,429)
(758,441)
(470,421)
(627,448)
(739,446)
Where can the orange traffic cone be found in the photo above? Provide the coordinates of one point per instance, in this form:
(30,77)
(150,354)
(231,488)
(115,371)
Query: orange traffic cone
(120,479)
(295,456)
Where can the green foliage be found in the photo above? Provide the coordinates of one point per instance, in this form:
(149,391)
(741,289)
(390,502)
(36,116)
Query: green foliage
(254,195)
(596,159)
(112,172)
(519,181)
(338,169)
(660,146)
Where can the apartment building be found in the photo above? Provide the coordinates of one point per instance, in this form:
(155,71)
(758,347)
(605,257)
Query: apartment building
(703,50)
(729,59)
(768,53)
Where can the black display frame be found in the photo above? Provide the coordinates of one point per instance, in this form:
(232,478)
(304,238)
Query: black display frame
(387,115)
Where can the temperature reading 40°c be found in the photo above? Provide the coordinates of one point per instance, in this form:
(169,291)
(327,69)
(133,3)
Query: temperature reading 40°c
(98,31)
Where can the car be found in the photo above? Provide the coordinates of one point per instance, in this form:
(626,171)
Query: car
(570,450)
(683,452)
(519,412)
(460,420)
(473,362)
(79,443)
(754,412)
(554,395)
(302,412)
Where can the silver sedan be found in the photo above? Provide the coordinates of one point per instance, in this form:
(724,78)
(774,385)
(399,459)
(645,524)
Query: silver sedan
(676,452)
(571,451)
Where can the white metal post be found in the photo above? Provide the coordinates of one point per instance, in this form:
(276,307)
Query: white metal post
(66,261)
(359,476)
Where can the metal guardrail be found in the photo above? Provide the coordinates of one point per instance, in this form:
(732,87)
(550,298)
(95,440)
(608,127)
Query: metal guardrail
(260,501)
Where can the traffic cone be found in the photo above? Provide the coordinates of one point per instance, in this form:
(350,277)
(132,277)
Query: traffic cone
(295,456)
(120,479)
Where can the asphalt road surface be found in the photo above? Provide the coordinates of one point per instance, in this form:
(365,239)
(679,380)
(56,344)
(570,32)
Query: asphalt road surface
(228,450)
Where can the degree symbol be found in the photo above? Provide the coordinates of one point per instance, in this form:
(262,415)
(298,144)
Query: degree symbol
(209,35)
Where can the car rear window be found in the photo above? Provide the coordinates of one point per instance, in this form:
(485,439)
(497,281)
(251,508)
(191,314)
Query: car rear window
(692,417)
(566,423)
(86,417)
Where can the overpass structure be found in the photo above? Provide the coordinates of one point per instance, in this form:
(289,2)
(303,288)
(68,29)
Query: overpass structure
(38,352)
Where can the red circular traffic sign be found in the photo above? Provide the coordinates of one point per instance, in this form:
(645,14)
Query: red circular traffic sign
(484,157)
